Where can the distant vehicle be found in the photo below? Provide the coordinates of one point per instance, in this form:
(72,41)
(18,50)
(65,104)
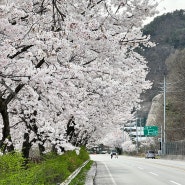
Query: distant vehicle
(150,154)
(104,152)
(114,153)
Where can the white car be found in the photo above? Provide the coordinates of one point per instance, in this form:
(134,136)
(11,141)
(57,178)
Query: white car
(150,154)
(104,152)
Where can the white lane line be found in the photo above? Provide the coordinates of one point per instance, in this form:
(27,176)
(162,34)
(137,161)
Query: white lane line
(175,183)
(110,175)
(140,168)
(154,173)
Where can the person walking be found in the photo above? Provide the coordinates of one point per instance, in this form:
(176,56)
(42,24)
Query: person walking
(111,155)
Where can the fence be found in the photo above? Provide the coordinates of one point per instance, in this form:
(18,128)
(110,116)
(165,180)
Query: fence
(175,148)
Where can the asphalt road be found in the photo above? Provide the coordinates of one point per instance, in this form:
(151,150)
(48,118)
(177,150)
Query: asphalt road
(138,171)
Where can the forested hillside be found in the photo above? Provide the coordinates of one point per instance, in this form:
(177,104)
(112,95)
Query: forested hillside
(168,32)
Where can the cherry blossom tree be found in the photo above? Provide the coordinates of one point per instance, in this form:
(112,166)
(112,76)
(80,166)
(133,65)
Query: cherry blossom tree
(69,69)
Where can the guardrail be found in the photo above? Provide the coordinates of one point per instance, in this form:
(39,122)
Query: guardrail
(74,174)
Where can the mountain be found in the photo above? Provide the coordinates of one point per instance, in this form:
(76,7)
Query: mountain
(168,32)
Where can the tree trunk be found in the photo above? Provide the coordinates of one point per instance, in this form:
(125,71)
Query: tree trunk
(6,129)
(41,149)
(26,146)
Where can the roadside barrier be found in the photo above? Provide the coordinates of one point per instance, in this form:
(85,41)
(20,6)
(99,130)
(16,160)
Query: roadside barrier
(74,174)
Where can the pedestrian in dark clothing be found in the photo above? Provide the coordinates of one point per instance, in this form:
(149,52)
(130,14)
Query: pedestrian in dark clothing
(111,155)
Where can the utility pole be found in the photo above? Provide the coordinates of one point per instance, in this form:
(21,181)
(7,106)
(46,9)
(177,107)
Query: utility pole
(137,136)
(161,141)
(164,123)
(140,128)
(123,133)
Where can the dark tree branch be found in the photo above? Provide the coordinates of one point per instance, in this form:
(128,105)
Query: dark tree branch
(61,14)
(89,61)
(16,124)
(40,63)
(13,94)
(25,48)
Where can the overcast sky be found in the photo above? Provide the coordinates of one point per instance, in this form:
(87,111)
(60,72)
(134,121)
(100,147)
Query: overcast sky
(168,6)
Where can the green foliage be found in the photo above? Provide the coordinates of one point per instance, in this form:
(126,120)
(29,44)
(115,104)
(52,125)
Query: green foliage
(11,162)
(83,154)
(51,170)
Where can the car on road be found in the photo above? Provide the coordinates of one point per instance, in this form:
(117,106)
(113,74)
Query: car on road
(150,154)
(114,154)
(104,152)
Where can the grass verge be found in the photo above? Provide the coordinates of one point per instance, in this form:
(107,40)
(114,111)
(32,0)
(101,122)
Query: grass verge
(52,169)
(81,177)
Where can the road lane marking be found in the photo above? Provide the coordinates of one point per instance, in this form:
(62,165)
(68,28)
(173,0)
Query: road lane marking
(161,164)
(110,175)
(154,174)
(175,183)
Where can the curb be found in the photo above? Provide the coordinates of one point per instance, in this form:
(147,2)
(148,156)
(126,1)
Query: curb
(91,174)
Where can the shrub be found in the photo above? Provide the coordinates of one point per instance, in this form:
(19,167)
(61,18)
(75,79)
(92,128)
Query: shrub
(51,170)
(84,155)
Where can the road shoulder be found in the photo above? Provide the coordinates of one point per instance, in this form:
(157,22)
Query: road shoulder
(91,174)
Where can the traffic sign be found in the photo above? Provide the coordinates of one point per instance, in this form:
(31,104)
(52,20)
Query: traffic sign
(151,131)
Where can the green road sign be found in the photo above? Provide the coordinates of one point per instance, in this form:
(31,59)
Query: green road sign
(151,131)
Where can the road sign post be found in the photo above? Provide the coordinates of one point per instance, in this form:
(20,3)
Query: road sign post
(151,131)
